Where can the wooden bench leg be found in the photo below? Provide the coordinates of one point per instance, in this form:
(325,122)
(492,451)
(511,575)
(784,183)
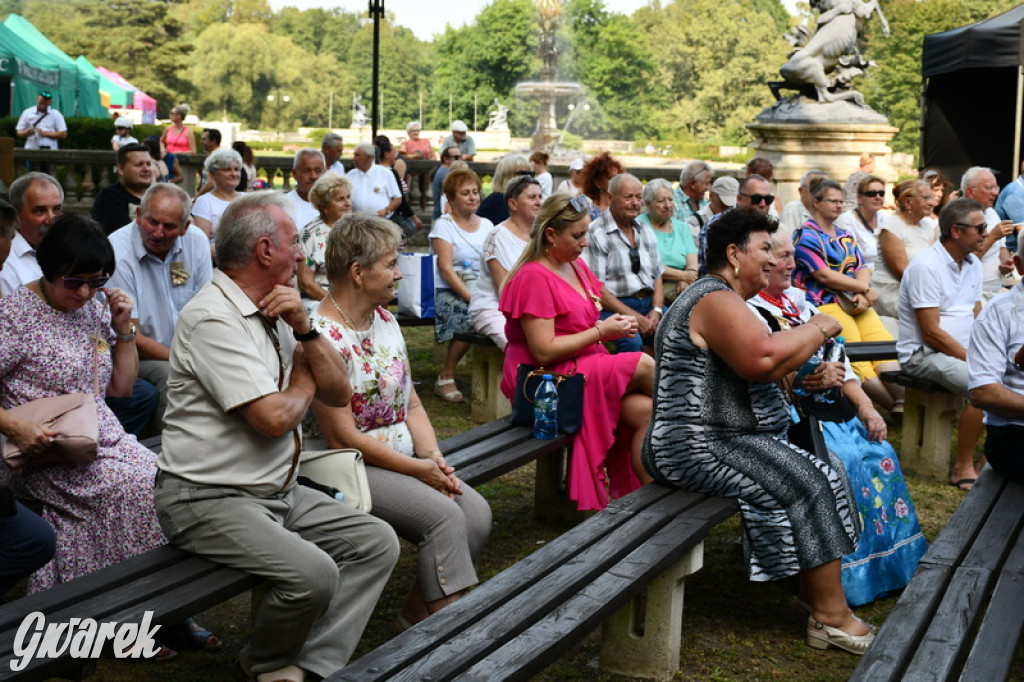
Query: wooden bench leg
(488,402)
(927,436)
(550,499)
(642,639)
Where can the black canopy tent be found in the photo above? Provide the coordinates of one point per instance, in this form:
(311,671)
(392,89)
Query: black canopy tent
(972,96)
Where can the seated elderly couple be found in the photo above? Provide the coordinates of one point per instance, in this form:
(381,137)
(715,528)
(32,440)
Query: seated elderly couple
(717,420)
(246,364)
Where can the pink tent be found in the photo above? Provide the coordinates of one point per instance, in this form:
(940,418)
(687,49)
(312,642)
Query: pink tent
(140,100)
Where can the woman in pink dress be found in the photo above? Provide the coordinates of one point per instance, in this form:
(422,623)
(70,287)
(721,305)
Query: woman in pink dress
(178,137)
(551,301)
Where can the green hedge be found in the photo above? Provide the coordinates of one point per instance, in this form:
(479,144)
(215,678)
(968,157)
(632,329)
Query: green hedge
(87,133)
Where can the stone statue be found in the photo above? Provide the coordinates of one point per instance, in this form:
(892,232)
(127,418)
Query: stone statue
(359,118)
(829,59)
(498,118)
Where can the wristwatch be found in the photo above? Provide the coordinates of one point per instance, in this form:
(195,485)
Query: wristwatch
(130,336)
(308,336)
(658,309)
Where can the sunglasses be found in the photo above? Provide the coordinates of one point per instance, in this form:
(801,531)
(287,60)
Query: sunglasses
(982,228)
(77,282)
(756,199)
(873,193)
(518,181)
(634,260)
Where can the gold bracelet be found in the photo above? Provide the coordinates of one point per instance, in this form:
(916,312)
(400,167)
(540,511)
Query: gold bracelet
(822,329)
(867,291)
(600,336)
(430,454)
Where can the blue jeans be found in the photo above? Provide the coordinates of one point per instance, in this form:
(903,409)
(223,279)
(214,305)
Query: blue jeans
(136,411)
(636,343)
(26,544)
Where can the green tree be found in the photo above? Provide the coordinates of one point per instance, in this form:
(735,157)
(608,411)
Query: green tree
(894,87)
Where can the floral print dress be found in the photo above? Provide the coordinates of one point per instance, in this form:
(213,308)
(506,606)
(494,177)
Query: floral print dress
(378,369)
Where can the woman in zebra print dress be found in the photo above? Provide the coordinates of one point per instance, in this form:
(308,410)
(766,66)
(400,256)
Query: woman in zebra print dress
(720,421)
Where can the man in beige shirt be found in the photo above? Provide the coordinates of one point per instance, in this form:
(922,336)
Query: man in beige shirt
(245,363)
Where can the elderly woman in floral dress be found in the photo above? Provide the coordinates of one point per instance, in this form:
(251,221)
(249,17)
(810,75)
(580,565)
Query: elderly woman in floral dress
(411,485)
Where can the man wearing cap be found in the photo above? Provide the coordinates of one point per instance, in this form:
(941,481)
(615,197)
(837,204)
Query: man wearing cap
(461,139)
(722,197)
(753,192)
(122,133)
(694,182)
(42,125)
(573,185)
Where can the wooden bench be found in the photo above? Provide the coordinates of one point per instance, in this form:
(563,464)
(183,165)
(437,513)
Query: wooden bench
(624,566)
(962,614)
(487,365)
(930,411)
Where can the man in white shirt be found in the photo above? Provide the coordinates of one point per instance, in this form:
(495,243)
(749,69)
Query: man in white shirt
(38,199)
(307,168)
(995,370)
(798,211)
(940,295)
(979,183)
(374,188)
(42,125)
(162,262)
(332,148)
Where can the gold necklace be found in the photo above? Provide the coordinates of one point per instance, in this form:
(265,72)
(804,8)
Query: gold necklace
(345,317)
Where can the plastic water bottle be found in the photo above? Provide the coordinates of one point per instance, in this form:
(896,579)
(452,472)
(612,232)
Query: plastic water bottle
(833,353)
(807,368)
(545,410)
(468,274)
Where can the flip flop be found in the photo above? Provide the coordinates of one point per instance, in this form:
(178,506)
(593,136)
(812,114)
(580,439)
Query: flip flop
(960,483)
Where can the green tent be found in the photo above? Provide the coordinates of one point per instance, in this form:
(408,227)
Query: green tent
(86,67)
(32,70)
(88,82)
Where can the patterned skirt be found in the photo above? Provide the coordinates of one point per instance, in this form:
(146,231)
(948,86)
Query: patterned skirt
(451,315)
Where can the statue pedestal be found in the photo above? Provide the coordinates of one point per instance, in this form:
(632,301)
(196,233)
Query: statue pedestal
(800,134)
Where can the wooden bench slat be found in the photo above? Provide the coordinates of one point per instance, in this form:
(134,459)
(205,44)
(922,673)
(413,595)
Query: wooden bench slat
(991,657)
(545,641)
(442,626)
(474,452)
(949,547)
(903,627)
(476,435)
(989,546)
(509,459)
(535,600)
(864,351)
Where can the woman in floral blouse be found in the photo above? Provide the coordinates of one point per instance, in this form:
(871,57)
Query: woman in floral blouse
(411,485)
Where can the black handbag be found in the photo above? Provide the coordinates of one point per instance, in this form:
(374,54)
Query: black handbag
(570,397)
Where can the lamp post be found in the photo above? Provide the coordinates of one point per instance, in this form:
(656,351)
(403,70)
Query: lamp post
(278,98)
(376,13)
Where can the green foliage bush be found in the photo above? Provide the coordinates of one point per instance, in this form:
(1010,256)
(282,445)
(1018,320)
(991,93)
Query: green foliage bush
(571,141)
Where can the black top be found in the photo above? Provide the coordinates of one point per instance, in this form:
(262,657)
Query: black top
(111,207)
(494,208)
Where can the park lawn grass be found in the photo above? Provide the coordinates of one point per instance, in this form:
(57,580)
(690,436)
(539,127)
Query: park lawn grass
(733,629)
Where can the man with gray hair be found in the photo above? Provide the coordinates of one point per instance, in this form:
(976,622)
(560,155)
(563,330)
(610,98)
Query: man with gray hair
(332,148)
(979,183)
(940,295)
(162,262)
(995,376)
(246,362)
(374,188)
(798,211)
(694,182)
(37,199)
(307,167)
(623,253)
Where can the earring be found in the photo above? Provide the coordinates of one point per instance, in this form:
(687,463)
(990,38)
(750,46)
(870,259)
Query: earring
(736,270)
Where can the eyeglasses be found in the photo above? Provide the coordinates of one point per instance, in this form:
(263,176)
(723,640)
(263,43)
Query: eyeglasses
(873,193)
(634,260)
(834,202)
(77,282)
(982,228)
(757,199)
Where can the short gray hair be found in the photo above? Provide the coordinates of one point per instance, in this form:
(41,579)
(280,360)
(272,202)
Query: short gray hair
(506,169)
(221,158)
(167,188)
(812,174)
(244,222)
(359,238)
(613,184)
(364,148)
(412,124)
(970,176)
(323,188)
(692,170)
(21,185)
(304,152)
(331,140)
(956,212)
(182,110)
(652,187)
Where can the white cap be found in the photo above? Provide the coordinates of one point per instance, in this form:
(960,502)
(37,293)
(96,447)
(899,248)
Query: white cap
(459,127)
(726,188)
(123,122)
(577,164)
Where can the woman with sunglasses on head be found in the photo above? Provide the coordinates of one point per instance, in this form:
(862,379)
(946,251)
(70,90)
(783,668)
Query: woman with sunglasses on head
(502,249)
(56,337)
(829,263)
(494,207)
(551,301)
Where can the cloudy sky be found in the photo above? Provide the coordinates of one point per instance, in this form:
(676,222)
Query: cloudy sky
(429,18)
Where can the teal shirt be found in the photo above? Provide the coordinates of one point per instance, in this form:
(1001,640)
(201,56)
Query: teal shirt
(675,246)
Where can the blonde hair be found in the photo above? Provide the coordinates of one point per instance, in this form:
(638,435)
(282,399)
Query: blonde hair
(323,188)
(557,213)
(506,170)
(359,238)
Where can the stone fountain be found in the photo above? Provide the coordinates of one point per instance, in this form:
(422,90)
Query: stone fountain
(547,90)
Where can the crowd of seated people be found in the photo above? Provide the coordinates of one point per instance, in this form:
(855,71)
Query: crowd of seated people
(293,318)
